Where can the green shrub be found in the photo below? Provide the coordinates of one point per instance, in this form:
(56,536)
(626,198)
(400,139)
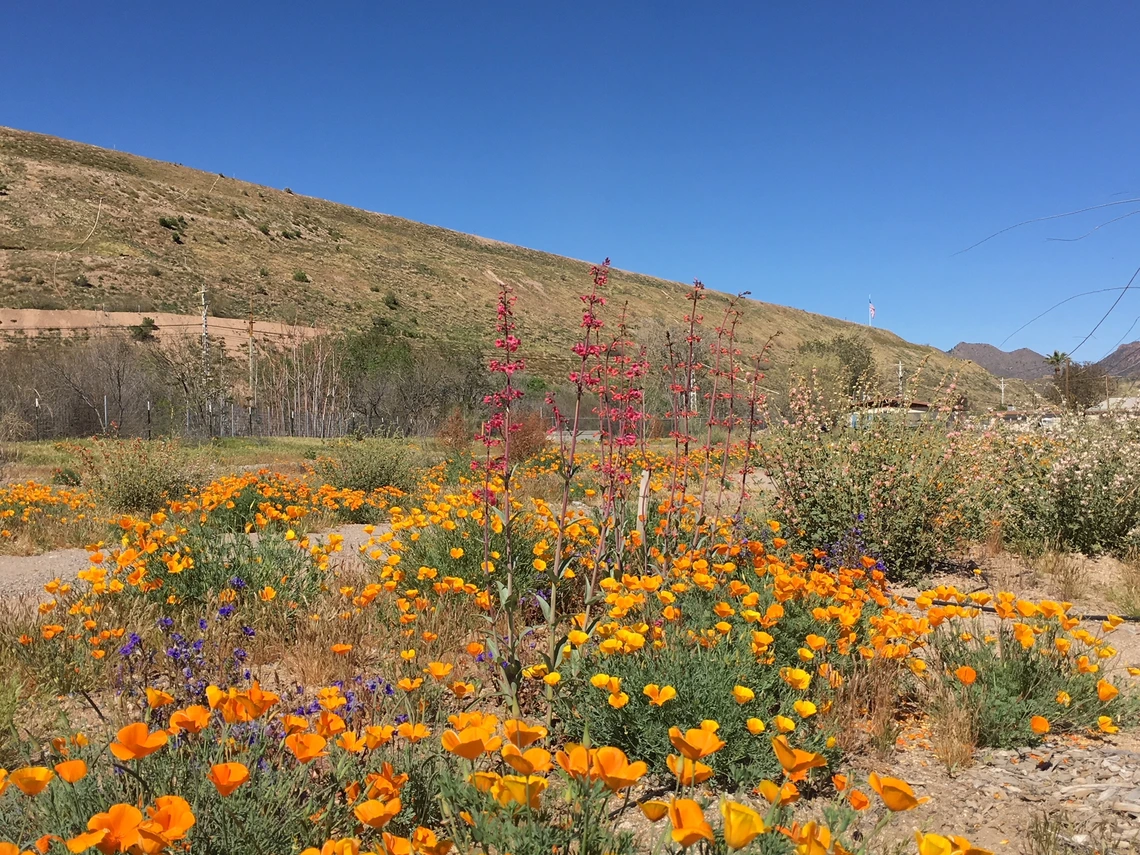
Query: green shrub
(134,476)
(369,464)
(300,276)
(65,477)
(909,489)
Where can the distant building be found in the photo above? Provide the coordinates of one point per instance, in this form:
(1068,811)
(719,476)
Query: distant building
(1024,421)
(915,411)
(1111,406)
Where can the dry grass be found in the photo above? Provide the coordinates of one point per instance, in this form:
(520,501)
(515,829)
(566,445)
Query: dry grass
(1062,833)
(1126,593)
(234,239)
(867,708)
(1067,572)
(953,729)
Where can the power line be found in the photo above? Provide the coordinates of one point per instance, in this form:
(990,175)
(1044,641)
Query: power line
(1115,303)
(1043,219)
(1057,306)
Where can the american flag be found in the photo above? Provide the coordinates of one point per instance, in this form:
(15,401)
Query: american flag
(870,308)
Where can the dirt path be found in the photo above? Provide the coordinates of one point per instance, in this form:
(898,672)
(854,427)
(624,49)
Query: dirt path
(21,575)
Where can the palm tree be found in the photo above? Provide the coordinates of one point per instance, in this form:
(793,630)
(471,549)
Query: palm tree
(1057,360)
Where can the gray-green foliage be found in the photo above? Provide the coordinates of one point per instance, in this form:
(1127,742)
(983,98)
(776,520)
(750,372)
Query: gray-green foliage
(135,476)
(370,464)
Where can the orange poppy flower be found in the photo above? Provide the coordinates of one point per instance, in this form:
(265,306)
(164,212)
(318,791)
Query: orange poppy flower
(169,820)
(858,800)
(425,842)
(351,742)
(31,780)
(156,698)
(115,830)
(966,675)
(659,695)
(688,772)
(521,790)
(135,742)
(528,762)
(1106,691)
(438,670)
(796,763)
(470,742)
(522,734)
(227,777)
(413,732)
(71,770)
(376,814)
(306,747)
(614,769)
(688,821)
(1039,725)
(193,719)
(777,795)
(696,743)
(576,761)
(376,735)
(385,783)
(654,809)
(741,824)
(896,794)
(294,724)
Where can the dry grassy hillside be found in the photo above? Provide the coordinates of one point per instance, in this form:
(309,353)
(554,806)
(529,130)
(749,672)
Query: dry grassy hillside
(86,228)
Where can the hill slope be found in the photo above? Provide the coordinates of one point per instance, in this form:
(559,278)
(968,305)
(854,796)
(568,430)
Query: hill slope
(1023,363)
(87,228)
(1123,362)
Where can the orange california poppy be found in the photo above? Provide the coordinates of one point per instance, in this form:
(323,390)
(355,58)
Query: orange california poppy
(31,780)
(896,794)
(306,747)
(696,743)
(688,821)
(71,770)
(375,813)
(227,777)
(135,742)
(741,824)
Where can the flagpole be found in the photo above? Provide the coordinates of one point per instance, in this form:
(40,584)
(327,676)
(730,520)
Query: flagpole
(870,317)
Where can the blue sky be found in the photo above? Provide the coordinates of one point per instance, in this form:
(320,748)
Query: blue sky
(812,153)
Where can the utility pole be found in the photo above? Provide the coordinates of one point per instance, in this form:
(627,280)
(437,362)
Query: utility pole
(900,382)
(1003,392)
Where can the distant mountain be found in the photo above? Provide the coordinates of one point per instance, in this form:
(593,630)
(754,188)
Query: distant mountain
(1023,363)
(1124,361)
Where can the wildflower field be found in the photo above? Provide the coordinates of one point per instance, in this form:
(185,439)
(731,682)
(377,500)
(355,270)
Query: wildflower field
(630,645)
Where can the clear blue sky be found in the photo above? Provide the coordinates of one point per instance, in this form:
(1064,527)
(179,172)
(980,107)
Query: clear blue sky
(813,153)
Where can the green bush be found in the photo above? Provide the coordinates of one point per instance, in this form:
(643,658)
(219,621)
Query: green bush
(909,487)
(370,464)
(134,476)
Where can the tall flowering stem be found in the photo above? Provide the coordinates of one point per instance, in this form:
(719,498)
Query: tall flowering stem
(621,414)
(683,369)
(495,436)
(584,378)
(725,373)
